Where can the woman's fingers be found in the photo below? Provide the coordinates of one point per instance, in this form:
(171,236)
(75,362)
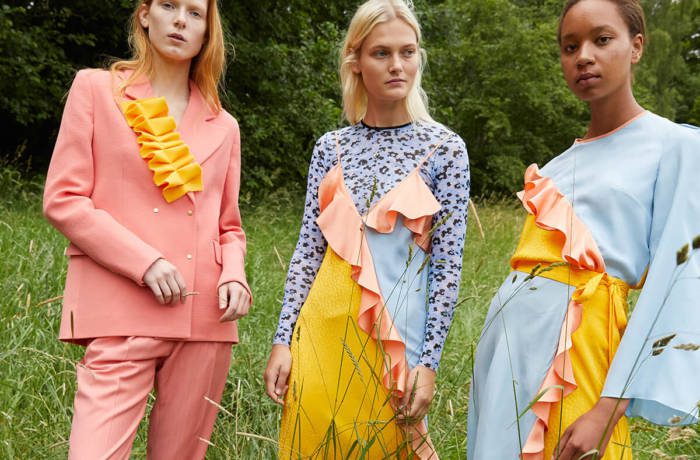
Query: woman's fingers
(223,296)
(276,384)
(165,281)
(231,305)
(153,286)
(235,299)
(182,285)
(415,403)
(277,373)
(563,450)
(172,283)
(281,383)
(270,383)
(243,304)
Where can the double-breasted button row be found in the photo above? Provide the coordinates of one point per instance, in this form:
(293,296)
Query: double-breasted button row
(189,211)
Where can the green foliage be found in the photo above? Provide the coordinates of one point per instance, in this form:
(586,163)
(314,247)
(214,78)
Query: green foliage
(493,76)
(285,96)
(668,78)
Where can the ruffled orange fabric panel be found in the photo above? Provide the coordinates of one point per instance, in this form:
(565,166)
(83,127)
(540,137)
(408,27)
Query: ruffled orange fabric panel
(553,212)
(343,229)
(174,168)
(411,199)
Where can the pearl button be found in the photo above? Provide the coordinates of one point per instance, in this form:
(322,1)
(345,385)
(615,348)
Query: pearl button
(189,256)
(190,212)
(155,210)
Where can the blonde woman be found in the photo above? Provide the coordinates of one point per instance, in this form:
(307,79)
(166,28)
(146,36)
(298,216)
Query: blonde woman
(373,281)
(144,183)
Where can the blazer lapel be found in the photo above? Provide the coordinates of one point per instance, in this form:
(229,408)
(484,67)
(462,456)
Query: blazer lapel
(203,135)
(197,129)
(140,89)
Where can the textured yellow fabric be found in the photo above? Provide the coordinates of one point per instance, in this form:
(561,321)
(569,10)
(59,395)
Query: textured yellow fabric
(336,406)
(604,301)
(174,168)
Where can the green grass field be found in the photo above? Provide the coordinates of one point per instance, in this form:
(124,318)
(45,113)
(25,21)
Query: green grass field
(37,371)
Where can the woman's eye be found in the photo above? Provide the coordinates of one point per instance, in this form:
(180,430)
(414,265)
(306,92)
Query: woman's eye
(570,48)
(380,53)
(409,52)
(167,5)
(604,40)
(196,14)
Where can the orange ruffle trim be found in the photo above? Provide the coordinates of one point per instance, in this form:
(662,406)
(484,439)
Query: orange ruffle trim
(175,169)
(552,211)
(417,209)
(343,229)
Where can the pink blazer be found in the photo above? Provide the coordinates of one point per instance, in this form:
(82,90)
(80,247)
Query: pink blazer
(100,194)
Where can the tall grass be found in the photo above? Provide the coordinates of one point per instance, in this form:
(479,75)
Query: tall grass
(37,379)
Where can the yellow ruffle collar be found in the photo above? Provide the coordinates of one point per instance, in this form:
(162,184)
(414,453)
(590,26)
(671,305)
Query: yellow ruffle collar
(175,169)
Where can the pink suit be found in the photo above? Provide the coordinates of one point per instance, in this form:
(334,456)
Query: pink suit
(100,194)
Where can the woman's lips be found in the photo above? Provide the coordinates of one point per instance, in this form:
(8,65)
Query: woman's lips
(395,82)
(587,79)
(177,37)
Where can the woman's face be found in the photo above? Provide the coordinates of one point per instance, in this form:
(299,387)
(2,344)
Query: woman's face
(597,51)
(388,61)
(177,28)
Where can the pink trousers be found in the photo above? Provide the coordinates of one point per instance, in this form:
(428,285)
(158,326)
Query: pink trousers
(114,380)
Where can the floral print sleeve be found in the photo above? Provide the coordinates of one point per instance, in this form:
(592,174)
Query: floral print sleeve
(310,247)
(449,173)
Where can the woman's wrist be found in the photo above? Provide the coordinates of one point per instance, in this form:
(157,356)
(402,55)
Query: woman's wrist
(614,407)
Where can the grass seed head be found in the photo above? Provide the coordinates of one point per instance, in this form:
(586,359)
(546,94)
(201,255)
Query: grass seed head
(682,254)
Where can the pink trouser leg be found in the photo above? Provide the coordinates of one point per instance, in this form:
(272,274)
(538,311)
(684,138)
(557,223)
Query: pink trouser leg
(182,419)
(114,379)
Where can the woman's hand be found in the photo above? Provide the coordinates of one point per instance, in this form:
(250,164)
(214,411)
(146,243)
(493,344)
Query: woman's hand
(585,433)
(277,372)
(166,282)
(235,299)
(420,390)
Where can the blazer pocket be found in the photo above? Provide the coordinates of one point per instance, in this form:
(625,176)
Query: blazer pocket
(217,252)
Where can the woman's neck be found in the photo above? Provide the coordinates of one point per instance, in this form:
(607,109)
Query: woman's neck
(171,80)
(609,113)
(385,114)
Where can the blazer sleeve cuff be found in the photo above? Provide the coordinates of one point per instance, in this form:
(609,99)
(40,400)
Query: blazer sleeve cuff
(233,267)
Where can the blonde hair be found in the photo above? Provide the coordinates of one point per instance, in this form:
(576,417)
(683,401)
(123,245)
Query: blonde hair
(367,16)
(207,69)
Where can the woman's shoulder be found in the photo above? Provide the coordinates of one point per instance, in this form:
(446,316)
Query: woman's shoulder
(452,144)
(672,136)
(95,77)
(339,134)
(225,117)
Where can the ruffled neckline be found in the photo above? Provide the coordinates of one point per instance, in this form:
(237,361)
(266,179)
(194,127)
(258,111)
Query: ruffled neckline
(174,168)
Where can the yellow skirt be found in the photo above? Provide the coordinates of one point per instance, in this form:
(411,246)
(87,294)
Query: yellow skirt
(594,342)
(336,405)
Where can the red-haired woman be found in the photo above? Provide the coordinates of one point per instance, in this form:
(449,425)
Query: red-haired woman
(144,183)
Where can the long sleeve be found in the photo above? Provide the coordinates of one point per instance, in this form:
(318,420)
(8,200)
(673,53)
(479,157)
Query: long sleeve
(657,365)
(451,182)
(69,186)
(309,250)
(231,235)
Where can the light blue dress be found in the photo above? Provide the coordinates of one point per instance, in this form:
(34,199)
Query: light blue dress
(638,191)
